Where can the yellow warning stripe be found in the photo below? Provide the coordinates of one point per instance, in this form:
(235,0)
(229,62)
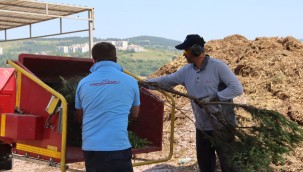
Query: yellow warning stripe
(37,150)
(18,95)
(2,128)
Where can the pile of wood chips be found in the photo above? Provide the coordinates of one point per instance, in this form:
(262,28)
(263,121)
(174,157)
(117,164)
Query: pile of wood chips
(270,70)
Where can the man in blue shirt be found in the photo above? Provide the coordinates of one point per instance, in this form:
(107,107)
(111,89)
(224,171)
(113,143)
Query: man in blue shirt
(106,98)
(205,76)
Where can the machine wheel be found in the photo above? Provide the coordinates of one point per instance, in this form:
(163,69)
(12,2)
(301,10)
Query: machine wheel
(6,162)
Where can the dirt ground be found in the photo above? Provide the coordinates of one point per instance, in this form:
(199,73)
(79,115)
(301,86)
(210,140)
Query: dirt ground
(271,71)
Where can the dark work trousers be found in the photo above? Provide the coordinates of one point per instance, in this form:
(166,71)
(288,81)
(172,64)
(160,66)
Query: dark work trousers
(108,161)
(206,153)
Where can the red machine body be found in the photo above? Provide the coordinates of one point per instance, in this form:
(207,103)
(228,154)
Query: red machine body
(30,127)
(7,90)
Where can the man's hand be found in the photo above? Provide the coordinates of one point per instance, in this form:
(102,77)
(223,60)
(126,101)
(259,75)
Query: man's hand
(210,108)
(149,85)
(210,98)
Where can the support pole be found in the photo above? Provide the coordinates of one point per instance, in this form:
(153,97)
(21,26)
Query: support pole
(90,32)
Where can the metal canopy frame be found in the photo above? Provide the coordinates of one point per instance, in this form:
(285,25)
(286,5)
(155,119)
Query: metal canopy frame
(19,13)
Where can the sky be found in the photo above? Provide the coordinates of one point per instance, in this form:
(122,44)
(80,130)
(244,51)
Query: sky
(174,19)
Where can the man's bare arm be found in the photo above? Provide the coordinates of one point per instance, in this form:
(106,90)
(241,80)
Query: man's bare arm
(134,111)
(79,116)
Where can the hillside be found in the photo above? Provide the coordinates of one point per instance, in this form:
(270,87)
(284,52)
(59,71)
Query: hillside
(49,44)
(157,51)
(153,42)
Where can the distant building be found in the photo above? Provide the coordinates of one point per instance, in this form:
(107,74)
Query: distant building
(84,48)
(1,51)
(63,49)
(124,45)
(120,45)
(74,48)
(136,48)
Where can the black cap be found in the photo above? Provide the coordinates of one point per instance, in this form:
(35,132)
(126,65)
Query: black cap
(190,40)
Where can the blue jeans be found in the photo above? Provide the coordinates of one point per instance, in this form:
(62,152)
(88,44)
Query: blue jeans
(206,153)
(108,161)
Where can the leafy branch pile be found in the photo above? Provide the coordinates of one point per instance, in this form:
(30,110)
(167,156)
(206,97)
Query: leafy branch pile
(136,141)
(67,88)
(253,148)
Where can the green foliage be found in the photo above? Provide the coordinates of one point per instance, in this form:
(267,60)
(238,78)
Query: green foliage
(256,148)
(146,62)
(136,141)
(68,87)
(141,67)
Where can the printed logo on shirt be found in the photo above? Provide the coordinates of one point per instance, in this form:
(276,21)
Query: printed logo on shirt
(104,82)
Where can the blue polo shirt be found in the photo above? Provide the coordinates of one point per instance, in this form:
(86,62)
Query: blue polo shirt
(106,97)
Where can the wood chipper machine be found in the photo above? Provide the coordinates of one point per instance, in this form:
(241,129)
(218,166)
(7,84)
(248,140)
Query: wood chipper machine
(35,119)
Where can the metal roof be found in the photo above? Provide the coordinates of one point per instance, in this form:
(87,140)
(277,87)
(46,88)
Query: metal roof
(17,13)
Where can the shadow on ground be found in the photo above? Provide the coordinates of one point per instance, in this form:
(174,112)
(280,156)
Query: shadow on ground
(171,168)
